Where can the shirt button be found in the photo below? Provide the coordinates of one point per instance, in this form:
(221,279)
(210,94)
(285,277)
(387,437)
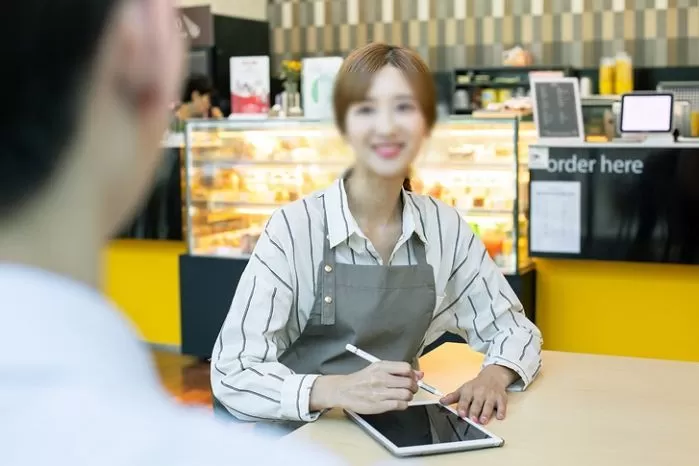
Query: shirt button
(328,268)
(328,299)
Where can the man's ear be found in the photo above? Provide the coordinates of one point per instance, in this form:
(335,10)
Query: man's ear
(148,52)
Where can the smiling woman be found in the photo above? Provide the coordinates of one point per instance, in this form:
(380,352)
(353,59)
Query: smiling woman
(369,263)
(381,73)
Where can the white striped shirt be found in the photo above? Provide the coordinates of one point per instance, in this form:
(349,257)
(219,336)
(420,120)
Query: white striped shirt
(276,293)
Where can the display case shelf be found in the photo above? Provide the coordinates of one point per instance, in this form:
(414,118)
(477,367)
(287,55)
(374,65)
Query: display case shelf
(269,208)
(239,172)
(234,162)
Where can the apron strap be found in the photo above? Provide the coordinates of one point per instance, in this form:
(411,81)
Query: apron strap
(419,248)
(327,276)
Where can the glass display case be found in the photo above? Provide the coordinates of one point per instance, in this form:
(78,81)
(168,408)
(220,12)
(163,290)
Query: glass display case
(238,172)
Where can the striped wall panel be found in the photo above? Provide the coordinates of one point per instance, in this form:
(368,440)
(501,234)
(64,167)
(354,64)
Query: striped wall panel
(456,33)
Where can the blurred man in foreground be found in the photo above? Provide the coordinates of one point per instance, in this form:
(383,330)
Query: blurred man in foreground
(88,84)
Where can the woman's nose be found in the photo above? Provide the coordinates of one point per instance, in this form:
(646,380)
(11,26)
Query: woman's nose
(385,122)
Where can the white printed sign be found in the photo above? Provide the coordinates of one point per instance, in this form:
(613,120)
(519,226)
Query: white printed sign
(555,217)
(318,81)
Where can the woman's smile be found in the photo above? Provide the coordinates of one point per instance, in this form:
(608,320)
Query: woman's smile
(388,150)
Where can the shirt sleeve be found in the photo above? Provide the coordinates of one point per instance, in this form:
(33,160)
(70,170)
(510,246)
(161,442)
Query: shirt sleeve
(488,313)
(246,376)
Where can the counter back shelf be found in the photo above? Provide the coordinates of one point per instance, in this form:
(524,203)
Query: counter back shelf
(474,88)
(239,172)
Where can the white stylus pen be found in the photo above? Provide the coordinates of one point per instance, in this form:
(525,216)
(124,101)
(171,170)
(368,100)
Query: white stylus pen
(372,359)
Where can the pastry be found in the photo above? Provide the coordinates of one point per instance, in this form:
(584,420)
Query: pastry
(464,151)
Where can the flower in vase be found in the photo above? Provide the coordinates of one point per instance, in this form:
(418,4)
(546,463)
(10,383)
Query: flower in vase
(290,70)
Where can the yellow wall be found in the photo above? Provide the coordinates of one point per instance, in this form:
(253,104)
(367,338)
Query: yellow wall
(142,278)
(646,310)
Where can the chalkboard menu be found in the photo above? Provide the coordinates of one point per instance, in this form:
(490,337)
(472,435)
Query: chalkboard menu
(557,109)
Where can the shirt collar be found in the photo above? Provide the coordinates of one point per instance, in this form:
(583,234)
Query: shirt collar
(342,225)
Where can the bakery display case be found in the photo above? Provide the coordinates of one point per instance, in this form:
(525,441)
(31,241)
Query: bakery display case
(238,172)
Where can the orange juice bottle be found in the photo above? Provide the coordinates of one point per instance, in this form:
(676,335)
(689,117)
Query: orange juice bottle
(695,124)
(607,70)
(623,72)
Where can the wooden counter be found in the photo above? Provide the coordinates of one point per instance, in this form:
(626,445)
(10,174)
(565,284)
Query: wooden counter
(582,410)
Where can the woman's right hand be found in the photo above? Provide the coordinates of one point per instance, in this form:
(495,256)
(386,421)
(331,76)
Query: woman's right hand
(380,387)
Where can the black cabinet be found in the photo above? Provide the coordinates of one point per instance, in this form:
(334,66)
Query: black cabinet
(160,216)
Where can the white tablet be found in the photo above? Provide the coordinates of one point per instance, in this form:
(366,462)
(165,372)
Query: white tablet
(425,428)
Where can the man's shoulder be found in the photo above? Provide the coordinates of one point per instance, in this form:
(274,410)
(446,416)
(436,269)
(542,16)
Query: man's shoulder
(28,296)
(37,291)
(49,323)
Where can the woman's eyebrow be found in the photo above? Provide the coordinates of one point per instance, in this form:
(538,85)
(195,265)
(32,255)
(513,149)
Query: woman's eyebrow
(395,97)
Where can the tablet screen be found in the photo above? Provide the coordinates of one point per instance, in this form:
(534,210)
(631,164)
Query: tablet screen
(646,113)
(421,425)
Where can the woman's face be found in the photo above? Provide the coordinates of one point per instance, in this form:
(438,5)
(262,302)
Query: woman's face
(387,129)
(201,103)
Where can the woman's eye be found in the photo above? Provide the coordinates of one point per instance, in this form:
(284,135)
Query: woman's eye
(406,107)
(364,110)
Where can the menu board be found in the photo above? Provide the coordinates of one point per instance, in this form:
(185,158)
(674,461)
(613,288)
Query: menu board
(557,108)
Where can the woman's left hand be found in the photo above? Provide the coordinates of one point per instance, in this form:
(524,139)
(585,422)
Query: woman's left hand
(483,396)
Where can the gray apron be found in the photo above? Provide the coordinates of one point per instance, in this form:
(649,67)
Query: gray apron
(384,310)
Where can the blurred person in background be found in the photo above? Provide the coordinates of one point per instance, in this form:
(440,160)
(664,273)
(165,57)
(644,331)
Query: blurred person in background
(196,99)
(79,142)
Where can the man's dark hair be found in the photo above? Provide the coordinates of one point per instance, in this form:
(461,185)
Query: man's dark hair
(197,83)
(49,53)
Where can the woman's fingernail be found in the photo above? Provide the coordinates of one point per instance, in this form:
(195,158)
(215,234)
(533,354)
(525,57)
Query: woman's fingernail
(474,418)
(484,420)
(462,414)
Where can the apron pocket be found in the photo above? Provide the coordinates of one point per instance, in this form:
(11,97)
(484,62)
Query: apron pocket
(314,327)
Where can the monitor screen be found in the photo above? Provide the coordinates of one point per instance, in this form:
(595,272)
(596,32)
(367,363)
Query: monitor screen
(646,113)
